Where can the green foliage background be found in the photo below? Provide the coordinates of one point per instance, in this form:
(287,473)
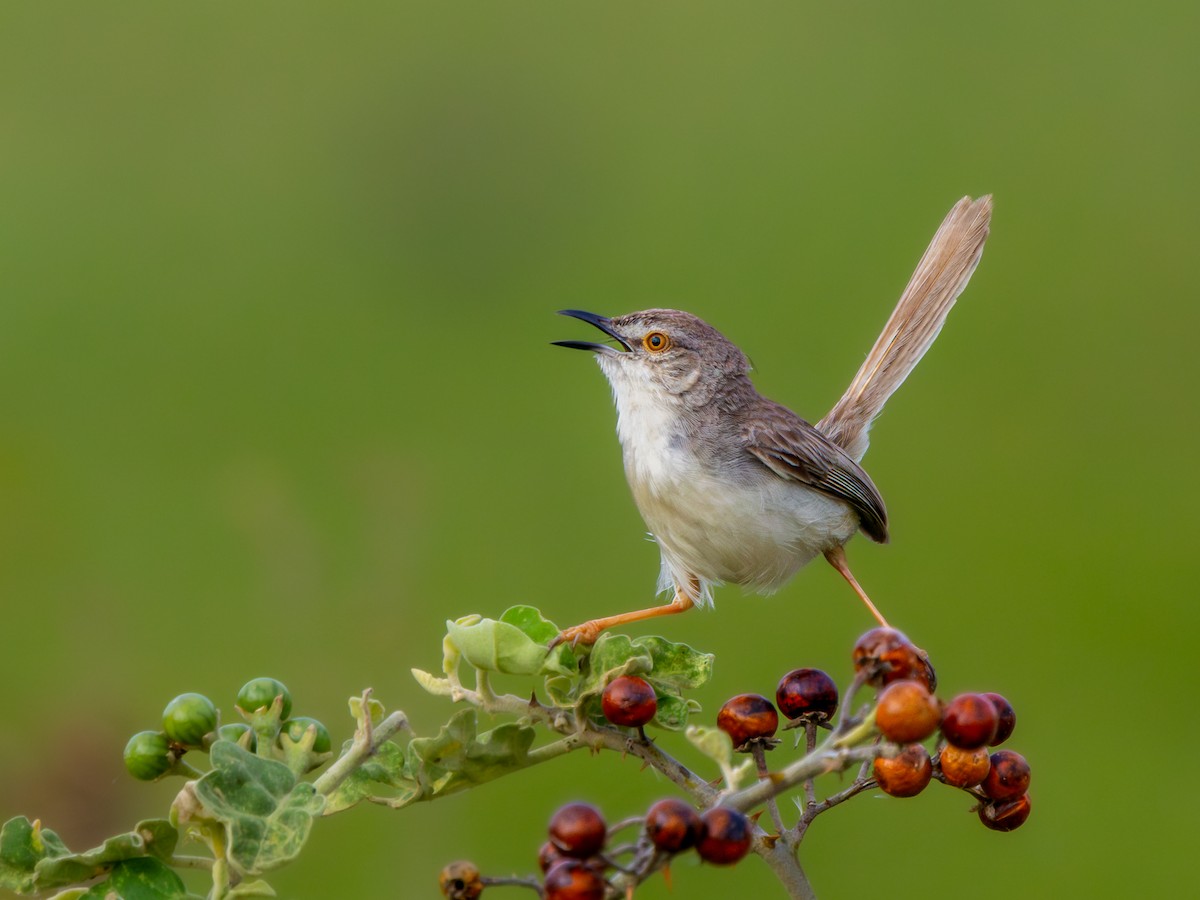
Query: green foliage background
(276,395)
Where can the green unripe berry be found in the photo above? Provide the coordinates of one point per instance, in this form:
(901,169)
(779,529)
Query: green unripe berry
(188,718)
(234,731)
(295,729)
(259,693)
(148,755)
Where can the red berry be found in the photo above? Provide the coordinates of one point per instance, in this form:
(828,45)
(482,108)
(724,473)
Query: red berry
(1009,776)
(1006,718)
(906,712)
(748,717)
(572,879)
(578,830)
(460,881)
(964,768)
(807,692)
(629,701)
(672,825)
(1005,815)
(905,775)
(887,655)
(969,721)
(725,836)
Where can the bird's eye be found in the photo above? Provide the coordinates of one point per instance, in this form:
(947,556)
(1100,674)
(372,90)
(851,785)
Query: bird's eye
(656,342)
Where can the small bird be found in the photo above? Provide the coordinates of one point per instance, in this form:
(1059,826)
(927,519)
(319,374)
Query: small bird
(736,488)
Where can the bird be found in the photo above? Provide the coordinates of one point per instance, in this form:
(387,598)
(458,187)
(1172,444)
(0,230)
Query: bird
(734,487)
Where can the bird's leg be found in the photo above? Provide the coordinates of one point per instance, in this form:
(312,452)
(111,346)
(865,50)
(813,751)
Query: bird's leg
(837,559)
(590,630)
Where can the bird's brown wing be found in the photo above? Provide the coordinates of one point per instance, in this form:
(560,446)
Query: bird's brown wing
(793,449)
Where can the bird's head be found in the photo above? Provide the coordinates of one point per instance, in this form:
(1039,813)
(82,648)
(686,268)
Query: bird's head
(666,353)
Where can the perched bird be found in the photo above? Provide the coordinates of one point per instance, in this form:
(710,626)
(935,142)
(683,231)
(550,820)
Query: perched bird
(735,487)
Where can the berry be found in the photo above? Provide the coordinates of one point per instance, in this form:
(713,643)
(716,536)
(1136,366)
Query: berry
(295,729)
(672,825)
(234,731)
(905,775)
(887,655)
(808,693)
(572,879)
(1009,776)
(906,712)
(460,881)
(148,755)
(1006,718)
(748,717)
(724,837)
(969,721)
(259,693)
(578,830)
(629,701)
(188,718)
(964,768)
(1005,815)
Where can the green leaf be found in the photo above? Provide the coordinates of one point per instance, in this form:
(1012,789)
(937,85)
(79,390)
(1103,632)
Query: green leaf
(670,668)
(145,878)
(267,815)
(561,660)
(153,837)
(383,775)
(677,665)
(24,844)
(496,646)
(456,758)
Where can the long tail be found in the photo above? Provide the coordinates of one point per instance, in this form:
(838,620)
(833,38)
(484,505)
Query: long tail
(939,278)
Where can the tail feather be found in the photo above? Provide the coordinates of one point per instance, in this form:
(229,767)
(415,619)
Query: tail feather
(939,278)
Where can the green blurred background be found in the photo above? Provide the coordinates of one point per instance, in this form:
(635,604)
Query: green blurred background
(277,284)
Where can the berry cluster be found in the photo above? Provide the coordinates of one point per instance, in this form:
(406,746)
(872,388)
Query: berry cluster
(191,722)
(887,739)
(908,712)
(577,857)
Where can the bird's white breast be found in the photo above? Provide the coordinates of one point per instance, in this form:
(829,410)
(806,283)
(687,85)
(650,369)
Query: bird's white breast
(746,527)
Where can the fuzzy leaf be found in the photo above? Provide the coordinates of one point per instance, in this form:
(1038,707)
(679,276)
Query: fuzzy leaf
(145,878)
(267,815)
(385,774)
(677,665)
(24,844)
(456,758)
(153,837)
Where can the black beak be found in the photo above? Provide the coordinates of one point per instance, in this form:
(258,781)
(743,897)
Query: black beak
(602,322)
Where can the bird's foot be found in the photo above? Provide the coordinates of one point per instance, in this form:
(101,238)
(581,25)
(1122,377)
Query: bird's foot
(587,633)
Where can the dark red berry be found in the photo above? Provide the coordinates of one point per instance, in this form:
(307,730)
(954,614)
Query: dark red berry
(1009,776)
(724,837)
(673,825)
(906,712)
(748,717)
(548,855)
(572,879)
(1005,815)
(964,768)
(808,693)
(905,775)
(460,881)
(629,701)
(1006,718)
(578,830)
(886,655)
(969,721)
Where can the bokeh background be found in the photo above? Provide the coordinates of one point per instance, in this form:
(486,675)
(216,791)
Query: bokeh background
(277,285)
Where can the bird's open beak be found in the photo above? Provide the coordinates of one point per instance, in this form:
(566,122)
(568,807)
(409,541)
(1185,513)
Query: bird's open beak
(602,322)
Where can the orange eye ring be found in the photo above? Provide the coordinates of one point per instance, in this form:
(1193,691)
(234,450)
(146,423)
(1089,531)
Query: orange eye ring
(656,342)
